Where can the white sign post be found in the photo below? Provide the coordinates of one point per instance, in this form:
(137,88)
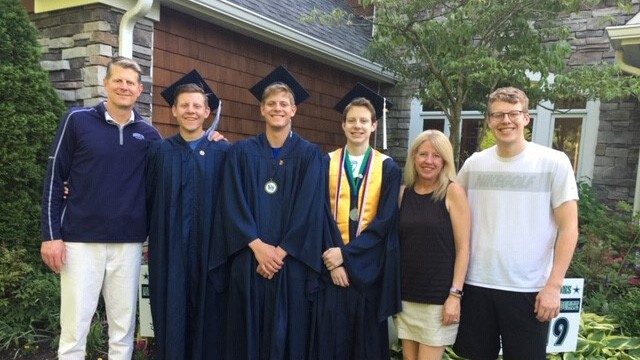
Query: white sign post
(144,305)
(563,329)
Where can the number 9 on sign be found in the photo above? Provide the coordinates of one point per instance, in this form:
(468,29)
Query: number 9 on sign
(560,328)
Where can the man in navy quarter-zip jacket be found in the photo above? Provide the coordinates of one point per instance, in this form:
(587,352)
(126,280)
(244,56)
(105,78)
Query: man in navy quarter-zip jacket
(93,239)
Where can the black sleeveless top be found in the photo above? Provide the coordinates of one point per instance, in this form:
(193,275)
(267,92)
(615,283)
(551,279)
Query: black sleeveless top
(427,250)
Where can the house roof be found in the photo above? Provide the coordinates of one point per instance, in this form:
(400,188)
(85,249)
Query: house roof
(278,22)
(353,38)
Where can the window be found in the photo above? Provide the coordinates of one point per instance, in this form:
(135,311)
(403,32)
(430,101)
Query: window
(571,130)
(566,138)
(470,137)
(437,124)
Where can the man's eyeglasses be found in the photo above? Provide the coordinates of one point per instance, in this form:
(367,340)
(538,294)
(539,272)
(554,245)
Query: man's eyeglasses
(499,115)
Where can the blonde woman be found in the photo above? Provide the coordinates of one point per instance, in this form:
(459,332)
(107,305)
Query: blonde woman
(434,241)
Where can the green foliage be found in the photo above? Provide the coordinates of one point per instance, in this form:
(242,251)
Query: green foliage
(29,300)
(97,342)
(17,38)
(487,139)
(627,311)
(450,355)
(599,338)
(607,258)
(456,52)
(30,109)
(598,221)
(594,81)
(97,339)
(29,296)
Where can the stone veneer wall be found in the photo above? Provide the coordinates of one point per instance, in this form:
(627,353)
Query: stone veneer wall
(616,159)
(77,44)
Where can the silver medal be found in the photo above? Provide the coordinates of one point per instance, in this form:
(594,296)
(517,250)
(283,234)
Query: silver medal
(353,214)
(270,187)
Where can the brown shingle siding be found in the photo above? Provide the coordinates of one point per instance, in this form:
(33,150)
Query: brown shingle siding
(231,63)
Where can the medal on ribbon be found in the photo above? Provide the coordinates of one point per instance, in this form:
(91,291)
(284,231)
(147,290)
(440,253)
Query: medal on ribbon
(270,187)
(353,214)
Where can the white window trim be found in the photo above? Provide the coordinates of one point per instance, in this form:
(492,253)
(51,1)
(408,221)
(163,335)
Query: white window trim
(543,126)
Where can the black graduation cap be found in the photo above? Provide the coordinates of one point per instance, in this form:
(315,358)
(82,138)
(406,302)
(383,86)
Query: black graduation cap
(193,77)
(362,91)
(280,74)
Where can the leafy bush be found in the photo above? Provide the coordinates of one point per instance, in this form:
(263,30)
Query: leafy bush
(627,311)
(30,304)
(30,109)
(607,259)
(29,300)
(29,296)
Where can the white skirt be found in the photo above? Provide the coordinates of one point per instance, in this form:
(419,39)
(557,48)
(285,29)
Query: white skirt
(423,323)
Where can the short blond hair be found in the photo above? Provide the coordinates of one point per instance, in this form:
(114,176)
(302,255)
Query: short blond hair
(278,87)
(510,95)
(442,145)
(125,63)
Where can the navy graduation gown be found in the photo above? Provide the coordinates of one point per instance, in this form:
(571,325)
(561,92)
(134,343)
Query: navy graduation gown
(187,271)
(351,322)
(270,319)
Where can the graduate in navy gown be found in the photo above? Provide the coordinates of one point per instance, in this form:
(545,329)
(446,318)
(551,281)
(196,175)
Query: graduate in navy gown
(187,271)
(361,281)
(273,208)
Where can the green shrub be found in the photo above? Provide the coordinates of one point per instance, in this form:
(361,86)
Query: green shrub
(30,307)
(607,258)
(29,295)
(627,311)
(30,110)
(29,300)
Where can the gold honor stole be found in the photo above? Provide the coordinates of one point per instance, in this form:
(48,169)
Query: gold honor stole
(340,191)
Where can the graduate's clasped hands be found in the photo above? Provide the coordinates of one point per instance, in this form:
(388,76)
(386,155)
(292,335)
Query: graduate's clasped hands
(270,258)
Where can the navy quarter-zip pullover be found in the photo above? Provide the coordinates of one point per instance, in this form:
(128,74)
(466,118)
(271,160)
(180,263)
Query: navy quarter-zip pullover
(104,166)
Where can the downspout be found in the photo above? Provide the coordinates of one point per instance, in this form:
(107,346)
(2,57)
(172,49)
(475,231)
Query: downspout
(634,71)
(129,19)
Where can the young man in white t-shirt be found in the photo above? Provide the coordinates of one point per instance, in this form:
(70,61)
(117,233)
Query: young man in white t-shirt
(524,229)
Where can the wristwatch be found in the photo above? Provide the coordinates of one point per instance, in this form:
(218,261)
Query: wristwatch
(456,292)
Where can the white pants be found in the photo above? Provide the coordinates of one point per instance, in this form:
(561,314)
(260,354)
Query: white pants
(91,269)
